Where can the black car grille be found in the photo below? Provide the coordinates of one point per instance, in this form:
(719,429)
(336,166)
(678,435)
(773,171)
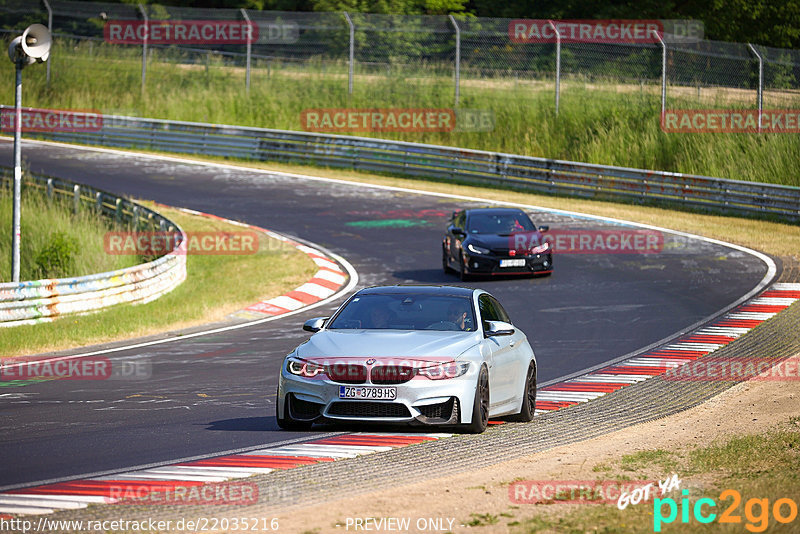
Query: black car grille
(347,373)
(369,409)
(391,374)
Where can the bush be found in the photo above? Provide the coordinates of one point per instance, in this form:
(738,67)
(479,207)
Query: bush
(56,259)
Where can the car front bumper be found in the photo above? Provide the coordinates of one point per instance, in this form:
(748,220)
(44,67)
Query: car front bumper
(490,264)
(420,400)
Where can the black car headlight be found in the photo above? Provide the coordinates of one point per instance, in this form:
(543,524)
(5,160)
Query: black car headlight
(478,250)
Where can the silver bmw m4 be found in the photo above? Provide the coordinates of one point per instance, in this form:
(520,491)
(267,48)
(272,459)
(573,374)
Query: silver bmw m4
(433,355)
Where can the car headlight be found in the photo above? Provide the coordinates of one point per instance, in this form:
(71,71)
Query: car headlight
(544,247)
(477,249)
(304,368)
(443,371)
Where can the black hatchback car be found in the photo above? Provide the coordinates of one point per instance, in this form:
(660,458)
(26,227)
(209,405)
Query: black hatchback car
(495,241)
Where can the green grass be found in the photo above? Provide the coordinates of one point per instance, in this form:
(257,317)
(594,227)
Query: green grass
(51,231)
(246,279)
(606,123)
(759,466)
(633,462)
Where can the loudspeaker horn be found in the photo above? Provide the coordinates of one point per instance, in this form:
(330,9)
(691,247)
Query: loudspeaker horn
(36,41)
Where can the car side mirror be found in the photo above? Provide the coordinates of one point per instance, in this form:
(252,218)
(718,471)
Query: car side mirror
(498,328)
(544,228)
(459,231)
(315,324)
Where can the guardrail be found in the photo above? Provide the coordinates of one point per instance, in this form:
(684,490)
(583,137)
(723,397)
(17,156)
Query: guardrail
(431,161)
(42,300)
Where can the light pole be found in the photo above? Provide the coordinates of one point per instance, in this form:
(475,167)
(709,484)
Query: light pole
(32,46)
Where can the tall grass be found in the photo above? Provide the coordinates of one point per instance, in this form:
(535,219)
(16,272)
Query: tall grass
(55,243)
(605,123)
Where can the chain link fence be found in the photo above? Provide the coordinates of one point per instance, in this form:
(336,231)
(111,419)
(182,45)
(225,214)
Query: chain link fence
(450,55)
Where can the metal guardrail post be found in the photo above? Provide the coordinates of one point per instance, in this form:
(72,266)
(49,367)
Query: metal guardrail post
(50,29)
(249,48)
(352,53)
(663,75)
(76,199)
(558,63)
(458,58)
(760,95)
(144,44)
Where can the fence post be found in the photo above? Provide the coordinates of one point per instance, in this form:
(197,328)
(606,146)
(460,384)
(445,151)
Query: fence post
(144,44)
(352,53)
(663,75)
(49,189)
(760,95)
(458,57)
(76,198)
(50,29)
(249,48)
(558,63)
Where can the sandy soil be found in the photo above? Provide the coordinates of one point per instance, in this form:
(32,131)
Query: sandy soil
(751,407)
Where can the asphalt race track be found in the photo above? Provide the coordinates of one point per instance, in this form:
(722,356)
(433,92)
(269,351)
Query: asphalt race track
(215,392)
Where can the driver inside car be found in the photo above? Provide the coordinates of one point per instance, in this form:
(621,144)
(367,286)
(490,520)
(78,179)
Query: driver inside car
(458,315)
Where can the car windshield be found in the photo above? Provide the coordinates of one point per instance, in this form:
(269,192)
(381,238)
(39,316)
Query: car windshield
(406,312)
(499,223)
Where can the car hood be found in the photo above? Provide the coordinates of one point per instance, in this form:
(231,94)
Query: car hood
(506,241)
(387,343)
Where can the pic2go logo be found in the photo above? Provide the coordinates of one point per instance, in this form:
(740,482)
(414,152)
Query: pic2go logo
(756,511)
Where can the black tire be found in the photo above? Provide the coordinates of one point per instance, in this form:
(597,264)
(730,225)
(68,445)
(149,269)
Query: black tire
(480,408)
(287,423)
(445,263)
(528,398)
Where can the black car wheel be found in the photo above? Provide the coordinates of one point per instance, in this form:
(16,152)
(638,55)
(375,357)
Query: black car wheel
(445,262)
(480,407)
(286,422)
(528,397)
(462,271)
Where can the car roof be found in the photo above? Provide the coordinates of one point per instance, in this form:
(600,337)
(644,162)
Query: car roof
(493,211)
(418,290)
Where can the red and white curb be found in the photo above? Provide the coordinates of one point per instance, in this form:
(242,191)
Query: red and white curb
(322,285)
(77,494)
(658,361)
(327,281)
